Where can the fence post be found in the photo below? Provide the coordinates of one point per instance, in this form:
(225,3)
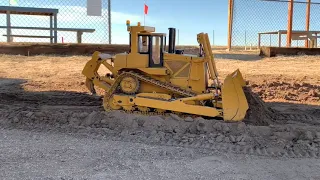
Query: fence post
(289,31)
(109,20)
(259,40)
(307,21)
(212,38)
(230,23)
(316,41)
(178,38)
(279,38)
(245,40)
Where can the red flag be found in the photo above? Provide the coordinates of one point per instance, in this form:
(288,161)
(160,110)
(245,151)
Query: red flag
(146,8)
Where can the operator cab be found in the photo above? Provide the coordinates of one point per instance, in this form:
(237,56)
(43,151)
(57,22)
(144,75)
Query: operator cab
(144,40)
(152,44)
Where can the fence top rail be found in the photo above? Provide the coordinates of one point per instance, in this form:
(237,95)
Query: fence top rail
(44,28)
(28,10)
(293,32)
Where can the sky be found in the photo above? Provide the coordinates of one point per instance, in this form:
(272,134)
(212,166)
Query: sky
(188,17)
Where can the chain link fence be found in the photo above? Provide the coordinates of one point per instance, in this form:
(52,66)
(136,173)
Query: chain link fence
(72,14)
(251,17)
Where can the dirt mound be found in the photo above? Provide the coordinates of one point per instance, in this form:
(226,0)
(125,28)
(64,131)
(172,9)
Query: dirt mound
(258,113)
(288,91)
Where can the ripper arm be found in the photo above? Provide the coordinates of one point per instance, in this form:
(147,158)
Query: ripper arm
(91,68)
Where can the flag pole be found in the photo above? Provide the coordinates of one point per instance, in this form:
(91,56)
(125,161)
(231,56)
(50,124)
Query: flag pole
(144,14)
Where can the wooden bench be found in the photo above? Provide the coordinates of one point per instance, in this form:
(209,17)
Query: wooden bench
(16,10)
(78,30)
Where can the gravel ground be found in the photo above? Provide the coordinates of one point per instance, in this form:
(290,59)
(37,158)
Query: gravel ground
(40,155)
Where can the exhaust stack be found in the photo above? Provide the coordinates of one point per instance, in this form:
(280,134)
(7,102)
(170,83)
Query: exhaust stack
(172,40)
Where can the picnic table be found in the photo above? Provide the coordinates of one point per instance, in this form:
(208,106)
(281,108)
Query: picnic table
(311,36)
(53,28)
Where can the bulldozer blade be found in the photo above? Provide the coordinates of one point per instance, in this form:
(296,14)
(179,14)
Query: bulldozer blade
(237,74)
(234,101)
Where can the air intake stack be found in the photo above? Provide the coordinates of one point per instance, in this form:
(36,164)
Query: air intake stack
(172,40)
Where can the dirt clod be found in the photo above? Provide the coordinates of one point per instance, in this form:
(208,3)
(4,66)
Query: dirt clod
(307,135)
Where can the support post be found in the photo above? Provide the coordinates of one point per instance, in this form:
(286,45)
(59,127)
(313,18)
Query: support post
(289,29)
(270,40)
(9,39)
(259,40)
(79,36)
(316,44)
(230,23)
(279,38)
(51,29)
(55,22)
(306,43)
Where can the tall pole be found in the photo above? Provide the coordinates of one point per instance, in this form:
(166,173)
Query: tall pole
(178,37)
(307,21)
(144,14)
(212,37)
(290,15)
(230,22)
(109,20)
(245,39)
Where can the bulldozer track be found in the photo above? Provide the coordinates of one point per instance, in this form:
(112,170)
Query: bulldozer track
(165,85)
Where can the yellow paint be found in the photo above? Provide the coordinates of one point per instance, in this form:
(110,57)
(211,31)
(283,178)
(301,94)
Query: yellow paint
(177,106)
(189,72)
(155,71)
(155,95)
(136,60)
(234,101)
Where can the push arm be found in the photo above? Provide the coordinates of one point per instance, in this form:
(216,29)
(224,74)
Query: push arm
(203,39)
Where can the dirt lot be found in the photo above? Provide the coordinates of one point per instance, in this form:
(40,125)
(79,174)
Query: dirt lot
(51,127)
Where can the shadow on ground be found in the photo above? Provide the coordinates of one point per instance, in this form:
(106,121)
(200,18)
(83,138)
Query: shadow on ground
(241,57)
(12,92)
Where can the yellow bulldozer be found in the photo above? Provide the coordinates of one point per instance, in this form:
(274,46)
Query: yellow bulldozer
(151,78)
